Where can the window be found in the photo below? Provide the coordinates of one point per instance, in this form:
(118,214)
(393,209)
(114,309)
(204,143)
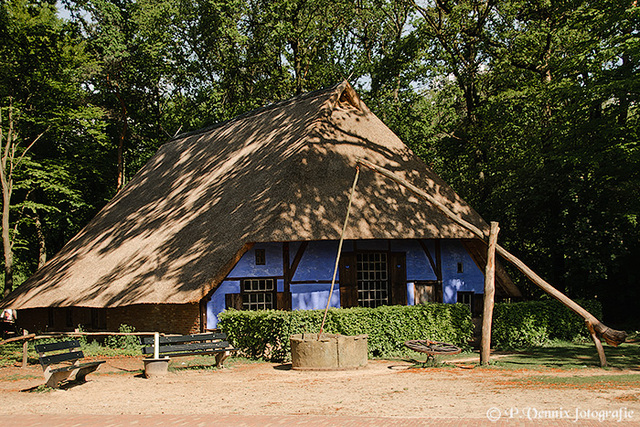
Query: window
(460,268)
(260,257)
(258,294)
(373,279)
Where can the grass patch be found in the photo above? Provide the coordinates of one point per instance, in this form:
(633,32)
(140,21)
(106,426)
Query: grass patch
(41,389)
(598,381)
(18,377)
(206,363)
(11,354)
(95,349)
(570,355)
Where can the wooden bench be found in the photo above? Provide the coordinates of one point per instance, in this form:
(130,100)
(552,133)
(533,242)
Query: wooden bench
(60,361)
(191,345)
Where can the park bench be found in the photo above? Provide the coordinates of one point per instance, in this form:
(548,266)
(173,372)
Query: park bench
(61,361)
(190,345)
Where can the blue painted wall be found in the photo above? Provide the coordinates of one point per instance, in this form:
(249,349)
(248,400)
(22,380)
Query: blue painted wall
(318,261)
(471,279)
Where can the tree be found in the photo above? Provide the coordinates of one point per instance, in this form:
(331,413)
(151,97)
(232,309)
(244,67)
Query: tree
(532,117)
(12,158)
(41,100)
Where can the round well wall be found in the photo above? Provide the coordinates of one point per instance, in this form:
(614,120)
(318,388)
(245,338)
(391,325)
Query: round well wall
(330,352)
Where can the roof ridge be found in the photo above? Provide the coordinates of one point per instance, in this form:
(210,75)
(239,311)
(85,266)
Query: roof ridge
(256,111)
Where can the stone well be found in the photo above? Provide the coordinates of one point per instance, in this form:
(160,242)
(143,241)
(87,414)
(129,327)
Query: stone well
(330,352)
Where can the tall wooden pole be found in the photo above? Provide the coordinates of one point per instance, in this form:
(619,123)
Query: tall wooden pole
(489,294)
(335,269)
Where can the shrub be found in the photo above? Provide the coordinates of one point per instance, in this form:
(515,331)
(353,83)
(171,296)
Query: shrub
(534,323)
(124,342)
(265,334)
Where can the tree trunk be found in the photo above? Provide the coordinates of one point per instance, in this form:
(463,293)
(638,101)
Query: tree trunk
(8,150)
(297,65)
(120,181)
(6,242)
(8,165)
(42,244)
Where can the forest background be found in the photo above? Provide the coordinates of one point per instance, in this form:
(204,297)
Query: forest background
(528,108)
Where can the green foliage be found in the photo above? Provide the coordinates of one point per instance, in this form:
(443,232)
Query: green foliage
(265,334)
(44,67)
(535,323)
(570,355)
(124,342)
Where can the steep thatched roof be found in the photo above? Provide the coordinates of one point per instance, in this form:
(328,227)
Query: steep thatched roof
(281,173)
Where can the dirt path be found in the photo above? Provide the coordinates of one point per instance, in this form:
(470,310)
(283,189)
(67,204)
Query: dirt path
(383,388)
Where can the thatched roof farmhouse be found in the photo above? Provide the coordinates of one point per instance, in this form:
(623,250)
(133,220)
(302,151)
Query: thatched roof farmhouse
(203,213)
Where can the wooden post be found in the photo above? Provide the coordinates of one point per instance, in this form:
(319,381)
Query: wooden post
(598,343)
(25,349)
(489,293)
(156,345)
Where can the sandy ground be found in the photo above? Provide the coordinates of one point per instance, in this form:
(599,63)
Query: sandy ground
(383,388)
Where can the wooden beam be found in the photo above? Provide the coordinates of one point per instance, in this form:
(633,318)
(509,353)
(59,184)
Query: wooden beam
(611,336)
(287,276)
(598,343)
(203,315)
(20,338)
(438,248)
(429,257)
(297,258)
(489,294)
(477,250)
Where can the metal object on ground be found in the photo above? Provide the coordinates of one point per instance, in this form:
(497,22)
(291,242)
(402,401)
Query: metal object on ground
(431,349)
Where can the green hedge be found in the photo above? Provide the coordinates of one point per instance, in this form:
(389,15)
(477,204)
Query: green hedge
(534,323)
(265,334)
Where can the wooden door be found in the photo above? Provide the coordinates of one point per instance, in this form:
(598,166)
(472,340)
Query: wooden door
(398,278)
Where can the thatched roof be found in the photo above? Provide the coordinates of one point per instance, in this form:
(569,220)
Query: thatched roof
(281,173)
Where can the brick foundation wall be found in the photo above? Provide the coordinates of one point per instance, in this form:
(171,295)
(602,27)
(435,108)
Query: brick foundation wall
(34,319)
(165,318)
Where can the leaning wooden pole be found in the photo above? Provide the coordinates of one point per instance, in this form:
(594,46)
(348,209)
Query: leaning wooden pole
(335,268)
(489,294)
(611,336)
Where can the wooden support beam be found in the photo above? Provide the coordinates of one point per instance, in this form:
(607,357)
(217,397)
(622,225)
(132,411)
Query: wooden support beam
(598,343)
(611,336)
(489,294)
(287,276)
(429,257)
(438,249)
